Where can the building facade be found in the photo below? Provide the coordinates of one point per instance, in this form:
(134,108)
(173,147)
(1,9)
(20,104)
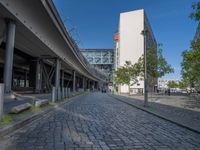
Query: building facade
(129,43)
(101,59)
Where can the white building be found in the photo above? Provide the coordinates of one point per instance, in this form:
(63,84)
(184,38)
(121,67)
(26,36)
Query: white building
(129,45)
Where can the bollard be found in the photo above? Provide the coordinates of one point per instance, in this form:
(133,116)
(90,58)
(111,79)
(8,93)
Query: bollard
(1,100)
(68,92)
(53,94)
(63,92)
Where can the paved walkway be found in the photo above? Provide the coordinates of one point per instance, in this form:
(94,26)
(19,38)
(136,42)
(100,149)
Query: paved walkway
(171,107)
(100,122)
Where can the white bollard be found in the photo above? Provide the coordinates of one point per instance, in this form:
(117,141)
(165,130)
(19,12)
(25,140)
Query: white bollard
(68,92)
(1,100)
(53,94)
(65,92)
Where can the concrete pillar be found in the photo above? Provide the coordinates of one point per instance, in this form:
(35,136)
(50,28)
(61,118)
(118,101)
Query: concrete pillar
(62,78)
(59,93)
(9,51)
(74,81)
(57,78)
(1,100)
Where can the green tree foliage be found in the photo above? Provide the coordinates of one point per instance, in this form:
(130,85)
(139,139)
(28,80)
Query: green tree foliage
(191,65)
(196,14)
(157,67)
(156,63)
(128,74)
(182,84)
(172,84)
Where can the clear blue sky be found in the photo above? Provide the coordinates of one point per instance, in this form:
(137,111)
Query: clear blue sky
(96,21)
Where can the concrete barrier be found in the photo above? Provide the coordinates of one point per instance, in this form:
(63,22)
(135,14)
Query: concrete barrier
(1,100)
(40,103)
(20,108)
(80,90)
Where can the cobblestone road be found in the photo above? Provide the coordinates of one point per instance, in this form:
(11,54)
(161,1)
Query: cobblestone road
(97,121)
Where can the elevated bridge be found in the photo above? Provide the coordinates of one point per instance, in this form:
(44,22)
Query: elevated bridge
(36,50)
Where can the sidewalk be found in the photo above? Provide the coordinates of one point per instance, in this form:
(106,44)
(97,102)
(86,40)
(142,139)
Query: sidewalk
(171,108)
(15,121)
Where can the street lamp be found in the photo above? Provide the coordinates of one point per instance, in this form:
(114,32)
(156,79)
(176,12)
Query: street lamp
(144,33)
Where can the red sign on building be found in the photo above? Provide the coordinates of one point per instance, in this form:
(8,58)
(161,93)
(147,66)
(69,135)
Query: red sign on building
(116,36)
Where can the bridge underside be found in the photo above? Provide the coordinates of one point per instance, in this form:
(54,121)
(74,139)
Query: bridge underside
(36,52)
(25,70)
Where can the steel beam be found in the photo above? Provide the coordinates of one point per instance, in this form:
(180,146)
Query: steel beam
(9,50)
(57,78)
(1,100)
(38,80)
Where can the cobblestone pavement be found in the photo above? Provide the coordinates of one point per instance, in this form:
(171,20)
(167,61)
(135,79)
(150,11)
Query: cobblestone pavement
(97,121)
(190,118)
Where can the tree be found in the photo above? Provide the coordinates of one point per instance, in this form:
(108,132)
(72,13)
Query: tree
(196,14)
(157,66)
(191,65)
(128,74)
(182,84)
(172,84)
(156,63)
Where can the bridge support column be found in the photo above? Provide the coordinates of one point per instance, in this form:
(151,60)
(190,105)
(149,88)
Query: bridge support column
(57,79)
(63,78)
(9,51)
(74,81)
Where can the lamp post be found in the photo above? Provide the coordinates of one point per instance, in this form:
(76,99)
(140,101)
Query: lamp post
(144,33)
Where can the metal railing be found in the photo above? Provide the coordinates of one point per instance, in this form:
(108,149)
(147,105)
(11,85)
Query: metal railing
(94,71)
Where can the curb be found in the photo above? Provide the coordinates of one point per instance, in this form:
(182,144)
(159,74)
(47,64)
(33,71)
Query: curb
(12,127)
(156,114)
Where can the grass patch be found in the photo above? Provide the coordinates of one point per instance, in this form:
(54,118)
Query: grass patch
(7,119)
(34,109)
